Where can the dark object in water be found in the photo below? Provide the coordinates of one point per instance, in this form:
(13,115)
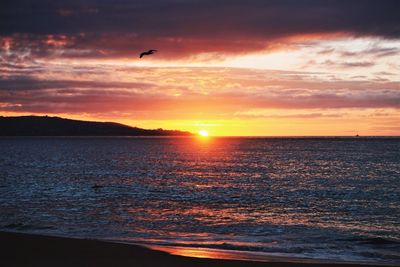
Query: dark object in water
(97,186)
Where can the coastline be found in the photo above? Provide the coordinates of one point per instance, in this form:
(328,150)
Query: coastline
(20,249)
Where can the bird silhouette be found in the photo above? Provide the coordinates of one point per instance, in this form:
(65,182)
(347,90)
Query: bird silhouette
(151,51)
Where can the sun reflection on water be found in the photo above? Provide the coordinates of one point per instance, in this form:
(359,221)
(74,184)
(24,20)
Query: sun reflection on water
(199,252)
(220,254)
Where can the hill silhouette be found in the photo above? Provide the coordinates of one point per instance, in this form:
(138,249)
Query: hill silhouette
(56,126)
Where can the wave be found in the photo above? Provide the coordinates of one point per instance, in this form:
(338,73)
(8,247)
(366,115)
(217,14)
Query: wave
(25,227)
(229,246)
(374,241)
(364,253)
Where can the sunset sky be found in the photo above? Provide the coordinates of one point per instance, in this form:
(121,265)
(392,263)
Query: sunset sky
(254,67)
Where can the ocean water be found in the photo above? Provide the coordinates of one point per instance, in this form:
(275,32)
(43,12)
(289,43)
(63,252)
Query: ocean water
(322,198)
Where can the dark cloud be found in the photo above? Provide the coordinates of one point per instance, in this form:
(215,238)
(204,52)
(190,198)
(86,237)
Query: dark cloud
(229,104)
(374,51)
(357,64)
(201,18)
(24,83)
(383,51)
(312,115)
(282,91)
(320,100)
(119,28)
(326,51)
(385,73)
(351,64)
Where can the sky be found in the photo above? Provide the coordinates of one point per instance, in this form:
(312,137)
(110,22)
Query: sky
(232,68)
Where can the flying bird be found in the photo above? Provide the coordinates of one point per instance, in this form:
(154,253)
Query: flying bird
(151,51)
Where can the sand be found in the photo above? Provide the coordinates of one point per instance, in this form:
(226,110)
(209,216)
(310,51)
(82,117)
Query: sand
(34,250)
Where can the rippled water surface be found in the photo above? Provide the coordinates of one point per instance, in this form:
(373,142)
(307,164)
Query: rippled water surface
(333,198)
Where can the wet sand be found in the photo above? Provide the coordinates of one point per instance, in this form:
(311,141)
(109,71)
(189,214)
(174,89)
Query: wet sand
(34,250)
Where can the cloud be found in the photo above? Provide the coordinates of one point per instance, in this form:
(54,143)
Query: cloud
(347,64)
(105,29)
(357,64)
(26,83)
(266,115)
(384,73)
(190,92)
(375,51)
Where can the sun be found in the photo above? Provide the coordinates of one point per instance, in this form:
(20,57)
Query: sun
(203,133)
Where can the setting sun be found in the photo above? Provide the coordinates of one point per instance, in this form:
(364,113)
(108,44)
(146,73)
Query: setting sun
(203,133)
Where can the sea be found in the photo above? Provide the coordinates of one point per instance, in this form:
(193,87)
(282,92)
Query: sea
(328,198)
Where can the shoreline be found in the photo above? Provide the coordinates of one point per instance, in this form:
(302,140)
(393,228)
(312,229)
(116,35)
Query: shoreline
(20,249)
(212,253)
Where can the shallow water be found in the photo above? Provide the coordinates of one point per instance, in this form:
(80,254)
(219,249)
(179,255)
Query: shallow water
(325,198)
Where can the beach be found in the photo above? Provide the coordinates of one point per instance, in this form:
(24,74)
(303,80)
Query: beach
(36,250)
